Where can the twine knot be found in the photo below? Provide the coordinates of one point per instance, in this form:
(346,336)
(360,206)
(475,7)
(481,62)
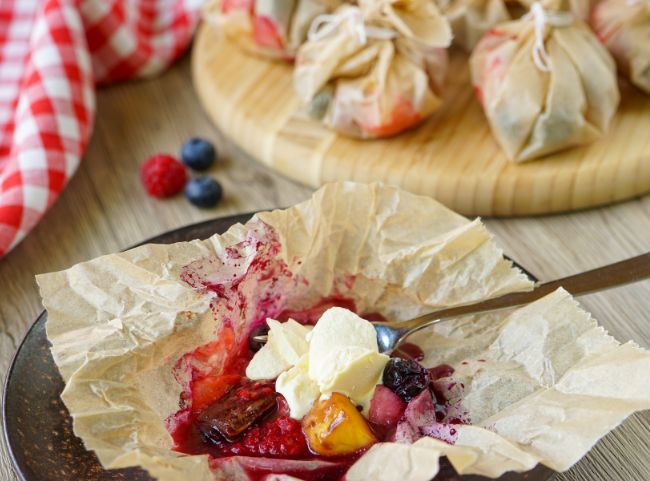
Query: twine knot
(541,18)
(325,25)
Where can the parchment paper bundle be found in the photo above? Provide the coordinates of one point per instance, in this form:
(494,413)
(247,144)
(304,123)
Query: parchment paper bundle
(470,19)
(272,28)
(541,384)
(546,83)
(376,69)
(624,27)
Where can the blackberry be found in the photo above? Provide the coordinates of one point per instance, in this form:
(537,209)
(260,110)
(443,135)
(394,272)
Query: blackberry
(405,377)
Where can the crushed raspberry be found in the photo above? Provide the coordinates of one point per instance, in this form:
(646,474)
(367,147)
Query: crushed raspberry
(280,438)
(162,175)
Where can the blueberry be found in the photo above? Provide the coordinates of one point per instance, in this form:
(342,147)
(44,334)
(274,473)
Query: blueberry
(198,153)
(203,191)
(405,377)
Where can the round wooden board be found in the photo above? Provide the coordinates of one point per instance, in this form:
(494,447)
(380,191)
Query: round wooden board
(452,157)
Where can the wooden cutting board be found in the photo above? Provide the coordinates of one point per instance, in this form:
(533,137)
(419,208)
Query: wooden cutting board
(452,157)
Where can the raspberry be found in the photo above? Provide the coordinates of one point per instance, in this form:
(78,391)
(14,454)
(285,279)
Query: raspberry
(282,438)
(162,175)
(251,441)
(279,438)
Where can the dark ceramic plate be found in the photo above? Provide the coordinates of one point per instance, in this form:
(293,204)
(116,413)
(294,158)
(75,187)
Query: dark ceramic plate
(38,428)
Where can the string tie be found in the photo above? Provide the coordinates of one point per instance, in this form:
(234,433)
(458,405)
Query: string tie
(541,18)
(327,24)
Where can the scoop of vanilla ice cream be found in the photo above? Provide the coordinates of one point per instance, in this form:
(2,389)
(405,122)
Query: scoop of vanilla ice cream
(339,355)
(285,346)
(344,357)
(298,388)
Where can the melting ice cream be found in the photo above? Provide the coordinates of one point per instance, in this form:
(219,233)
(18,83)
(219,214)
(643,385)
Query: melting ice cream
(340,355)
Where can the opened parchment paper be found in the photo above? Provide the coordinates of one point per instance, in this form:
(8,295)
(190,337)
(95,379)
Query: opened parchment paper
(541,384)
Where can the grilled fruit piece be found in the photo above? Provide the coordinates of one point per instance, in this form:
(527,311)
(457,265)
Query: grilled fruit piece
(334,427)
(237,410)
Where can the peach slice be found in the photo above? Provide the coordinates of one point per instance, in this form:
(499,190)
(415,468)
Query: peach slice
(334,427)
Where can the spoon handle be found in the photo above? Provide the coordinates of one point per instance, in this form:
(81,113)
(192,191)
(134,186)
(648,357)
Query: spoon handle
(612,275)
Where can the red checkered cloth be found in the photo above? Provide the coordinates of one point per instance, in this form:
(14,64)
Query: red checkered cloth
(52,54)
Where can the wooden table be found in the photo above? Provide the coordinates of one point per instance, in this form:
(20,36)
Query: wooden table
(104,209)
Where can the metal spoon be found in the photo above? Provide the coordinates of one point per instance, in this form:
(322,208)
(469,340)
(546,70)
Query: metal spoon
(391,334)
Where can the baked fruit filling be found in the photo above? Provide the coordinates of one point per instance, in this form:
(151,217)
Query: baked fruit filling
(315,391)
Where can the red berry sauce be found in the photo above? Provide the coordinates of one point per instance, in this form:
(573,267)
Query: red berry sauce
(250,283)
(274,438)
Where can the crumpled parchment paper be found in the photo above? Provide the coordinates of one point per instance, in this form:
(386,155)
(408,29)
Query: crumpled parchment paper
(541,384)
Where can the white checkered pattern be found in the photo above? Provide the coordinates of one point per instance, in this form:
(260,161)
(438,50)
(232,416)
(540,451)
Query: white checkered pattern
(52,54)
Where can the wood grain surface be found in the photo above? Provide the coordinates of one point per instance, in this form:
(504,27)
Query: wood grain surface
(452,157)
(104,209)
